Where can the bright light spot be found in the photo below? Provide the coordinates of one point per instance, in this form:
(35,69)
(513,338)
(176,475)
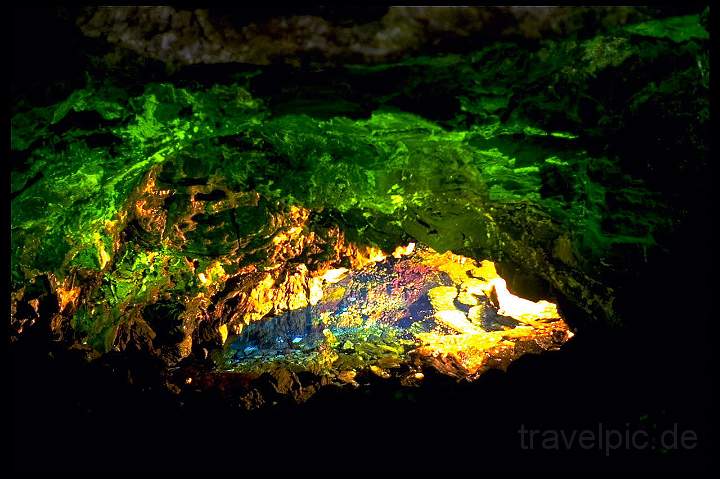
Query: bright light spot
(404,250)
(520,308)
(223,330)
(335,275)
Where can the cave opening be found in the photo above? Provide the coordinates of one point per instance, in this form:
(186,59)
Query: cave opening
(321,231)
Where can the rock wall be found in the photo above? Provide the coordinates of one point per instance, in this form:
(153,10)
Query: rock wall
(572,160)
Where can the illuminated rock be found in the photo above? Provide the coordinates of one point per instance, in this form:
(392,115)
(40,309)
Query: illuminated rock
(443,298)
(467,298)
(334,275)
(475,313)
(456,320)
(225,206)
(475,287)
(315,292)
(522,309)
(361,327)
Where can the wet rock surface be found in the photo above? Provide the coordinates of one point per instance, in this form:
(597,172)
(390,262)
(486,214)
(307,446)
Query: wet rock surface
(157,215)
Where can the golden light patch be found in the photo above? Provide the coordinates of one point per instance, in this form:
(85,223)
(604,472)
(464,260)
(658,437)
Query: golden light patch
(67,296)
(335,275)
(520,308)
(223,330)
(404,250)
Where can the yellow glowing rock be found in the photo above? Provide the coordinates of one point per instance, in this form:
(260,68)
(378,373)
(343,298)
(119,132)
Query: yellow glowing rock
(455,343)
(335,294)
(260,301)
(475,313)
(474,286)
(456,270)
(456,320)
(315,291)
(335,275)
(486,271)
(296,297)
(330,337)
(362,256)
(215,272)
(223,330)
(520,308)
(376,255)
(404,250)
(467,349)
(467,298)
(380,372)
(443,297)
(67,296)
(352,318)
(325,318)
(347,376)
(471,350)
(280,238)
(455,266)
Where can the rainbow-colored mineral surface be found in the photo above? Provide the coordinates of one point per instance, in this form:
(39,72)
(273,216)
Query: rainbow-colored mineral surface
(397,317)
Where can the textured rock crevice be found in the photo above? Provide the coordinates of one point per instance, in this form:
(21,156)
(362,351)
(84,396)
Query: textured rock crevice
(164,216)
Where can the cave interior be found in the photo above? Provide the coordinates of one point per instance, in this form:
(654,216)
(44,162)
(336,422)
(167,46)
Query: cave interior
(343,237)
